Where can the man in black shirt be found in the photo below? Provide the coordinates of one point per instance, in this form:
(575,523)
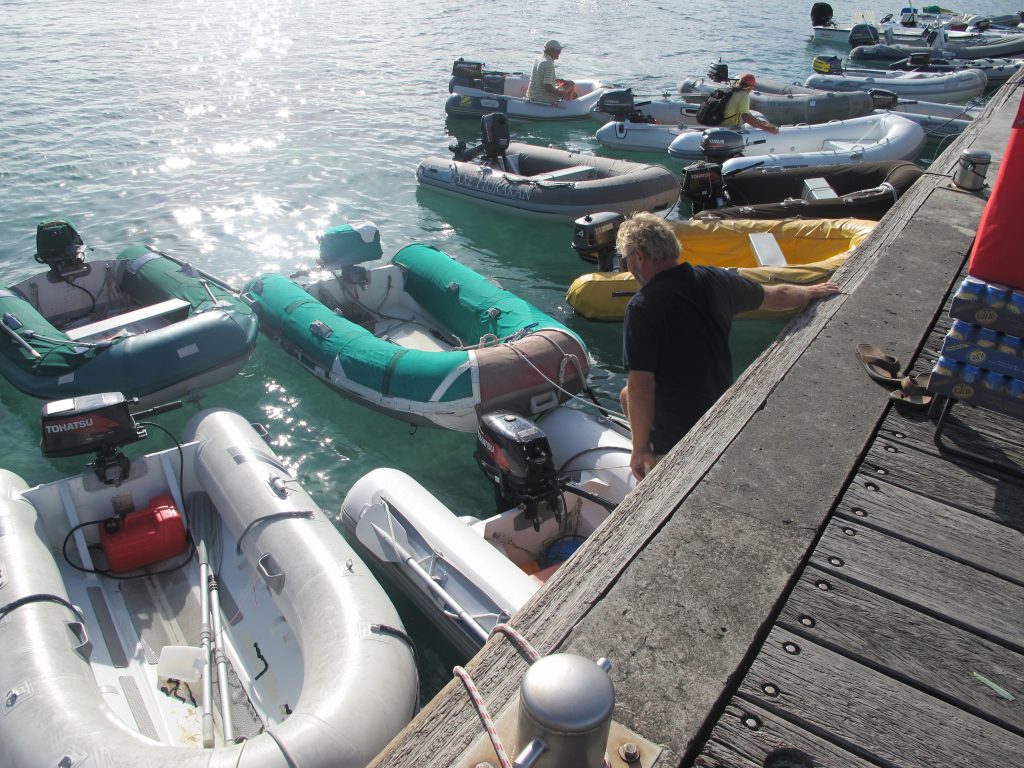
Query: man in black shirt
(675,342)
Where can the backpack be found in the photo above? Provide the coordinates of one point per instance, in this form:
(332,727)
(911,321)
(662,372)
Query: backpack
(712,111)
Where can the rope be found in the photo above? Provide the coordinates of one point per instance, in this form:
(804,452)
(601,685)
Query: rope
(521,644)
(40,598)
(307,515)
(483,714)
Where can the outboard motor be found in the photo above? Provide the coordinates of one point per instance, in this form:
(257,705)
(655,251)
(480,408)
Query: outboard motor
(466,73)
(494,135)
(61,248)
(827,65)
(718,72)
(863,34)
(515,455)
(883,99)
(721,144)
(701,184)
(821,15)
(622,106)
(593,238)
(346,245)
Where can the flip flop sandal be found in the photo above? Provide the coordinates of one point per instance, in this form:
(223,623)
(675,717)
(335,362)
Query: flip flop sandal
(913,392)
(881,367)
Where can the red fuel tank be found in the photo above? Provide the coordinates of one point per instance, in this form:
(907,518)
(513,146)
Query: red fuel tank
(145,536)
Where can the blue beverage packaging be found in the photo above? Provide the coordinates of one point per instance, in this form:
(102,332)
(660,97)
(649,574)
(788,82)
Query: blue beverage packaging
(987,338)
(1009,345)
(970,374)
(971,290)
(1016,389)
(994,382)
(1015,306)
(946,367)
(995,297)
(960,331)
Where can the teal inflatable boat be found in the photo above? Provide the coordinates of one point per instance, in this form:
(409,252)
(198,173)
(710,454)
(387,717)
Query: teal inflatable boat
(421,338)
(143,324)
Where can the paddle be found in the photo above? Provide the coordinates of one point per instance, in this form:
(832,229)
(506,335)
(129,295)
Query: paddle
(386,539)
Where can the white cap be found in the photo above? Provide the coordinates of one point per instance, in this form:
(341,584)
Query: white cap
(553,45)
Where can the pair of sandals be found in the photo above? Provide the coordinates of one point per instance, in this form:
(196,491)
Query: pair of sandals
(911,391)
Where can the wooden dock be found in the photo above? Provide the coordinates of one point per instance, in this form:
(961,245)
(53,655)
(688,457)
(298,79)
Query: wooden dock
(806,579)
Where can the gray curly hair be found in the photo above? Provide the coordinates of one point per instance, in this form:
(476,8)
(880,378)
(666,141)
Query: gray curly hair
(651,234)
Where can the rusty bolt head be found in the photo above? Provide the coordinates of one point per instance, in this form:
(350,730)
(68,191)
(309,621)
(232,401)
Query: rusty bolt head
(629,752)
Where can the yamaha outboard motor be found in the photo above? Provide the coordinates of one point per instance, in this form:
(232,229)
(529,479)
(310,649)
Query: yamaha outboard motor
(701,184)
(61,248)
(721,144)
(821,15)
(515,455)
(593,238)
(863,34)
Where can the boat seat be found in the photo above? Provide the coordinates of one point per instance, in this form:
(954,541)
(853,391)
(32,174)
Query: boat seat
(818,189)
(161,309)
(839,146)
(572,173)
(766,250)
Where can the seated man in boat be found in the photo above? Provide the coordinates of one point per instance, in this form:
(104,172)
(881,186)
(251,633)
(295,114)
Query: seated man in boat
(675,335)
(737,111)
(544,87)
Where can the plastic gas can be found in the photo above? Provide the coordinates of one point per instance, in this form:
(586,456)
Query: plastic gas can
(144,536)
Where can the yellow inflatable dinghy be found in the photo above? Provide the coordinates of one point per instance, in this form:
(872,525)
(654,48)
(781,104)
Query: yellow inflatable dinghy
(793,251)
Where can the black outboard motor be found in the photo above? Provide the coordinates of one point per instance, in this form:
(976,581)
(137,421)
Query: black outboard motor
(495,136)
(466,73)
(863,34)
(593,238)
(622,106)
(61,248)
(883,99)
(721,144)
(701,184)
(515,455)
(821,15)
(718,72)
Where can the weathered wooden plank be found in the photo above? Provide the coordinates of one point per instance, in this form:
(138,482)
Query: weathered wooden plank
(934,525)
(748,736)
(872,714)
(984,492)
(949,663)
(923,580)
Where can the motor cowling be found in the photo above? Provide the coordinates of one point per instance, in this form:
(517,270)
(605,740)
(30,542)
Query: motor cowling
(863,34)
(718,72)
(883,99)
(61,248)
(465,73)
(701,184)
(619,103)
(821,14)
(593,238)
(827,65)
(494,135)
(721,144)
(515,455)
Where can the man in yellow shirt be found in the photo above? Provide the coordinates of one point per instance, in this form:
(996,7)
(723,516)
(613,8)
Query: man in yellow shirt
(544,87)
(737,111)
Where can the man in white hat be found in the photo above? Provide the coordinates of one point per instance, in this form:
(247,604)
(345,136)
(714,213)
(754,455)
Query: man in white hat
(545,88)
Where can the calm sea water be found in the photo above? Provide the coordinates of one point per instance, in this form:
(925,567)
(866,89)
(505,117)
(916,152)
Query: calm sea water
(232,133)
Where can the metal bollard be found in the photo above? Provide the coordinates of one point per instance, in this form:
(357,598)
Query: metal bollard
(971,168)
(565,712)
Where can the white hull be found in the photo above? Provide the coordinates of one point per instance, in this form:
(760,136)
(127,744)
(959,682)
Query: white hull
(862,139)
(475,102)
(297,607)
(482,564)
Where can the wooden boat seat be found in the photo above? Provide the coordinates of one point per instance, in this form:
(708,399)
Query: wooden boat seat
(125,319)
(766,250)
(572,173)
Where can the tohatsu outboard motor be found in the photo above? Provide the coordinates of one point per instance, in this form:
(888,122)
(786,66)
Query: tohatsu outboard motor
(721,144)
(515,455)
(701,184)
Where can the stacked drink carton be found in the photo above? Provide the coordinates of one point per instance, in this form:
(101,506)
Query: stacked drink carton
(982,356)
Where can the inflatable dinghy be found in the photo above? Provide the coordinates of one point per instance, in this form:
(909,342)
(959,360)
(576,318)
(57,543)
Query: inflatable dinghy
(144,323)
(190,608)
(955,87)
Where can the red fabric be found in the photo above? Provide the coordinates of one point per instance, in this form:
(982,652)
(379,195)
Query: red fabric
(997,256)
